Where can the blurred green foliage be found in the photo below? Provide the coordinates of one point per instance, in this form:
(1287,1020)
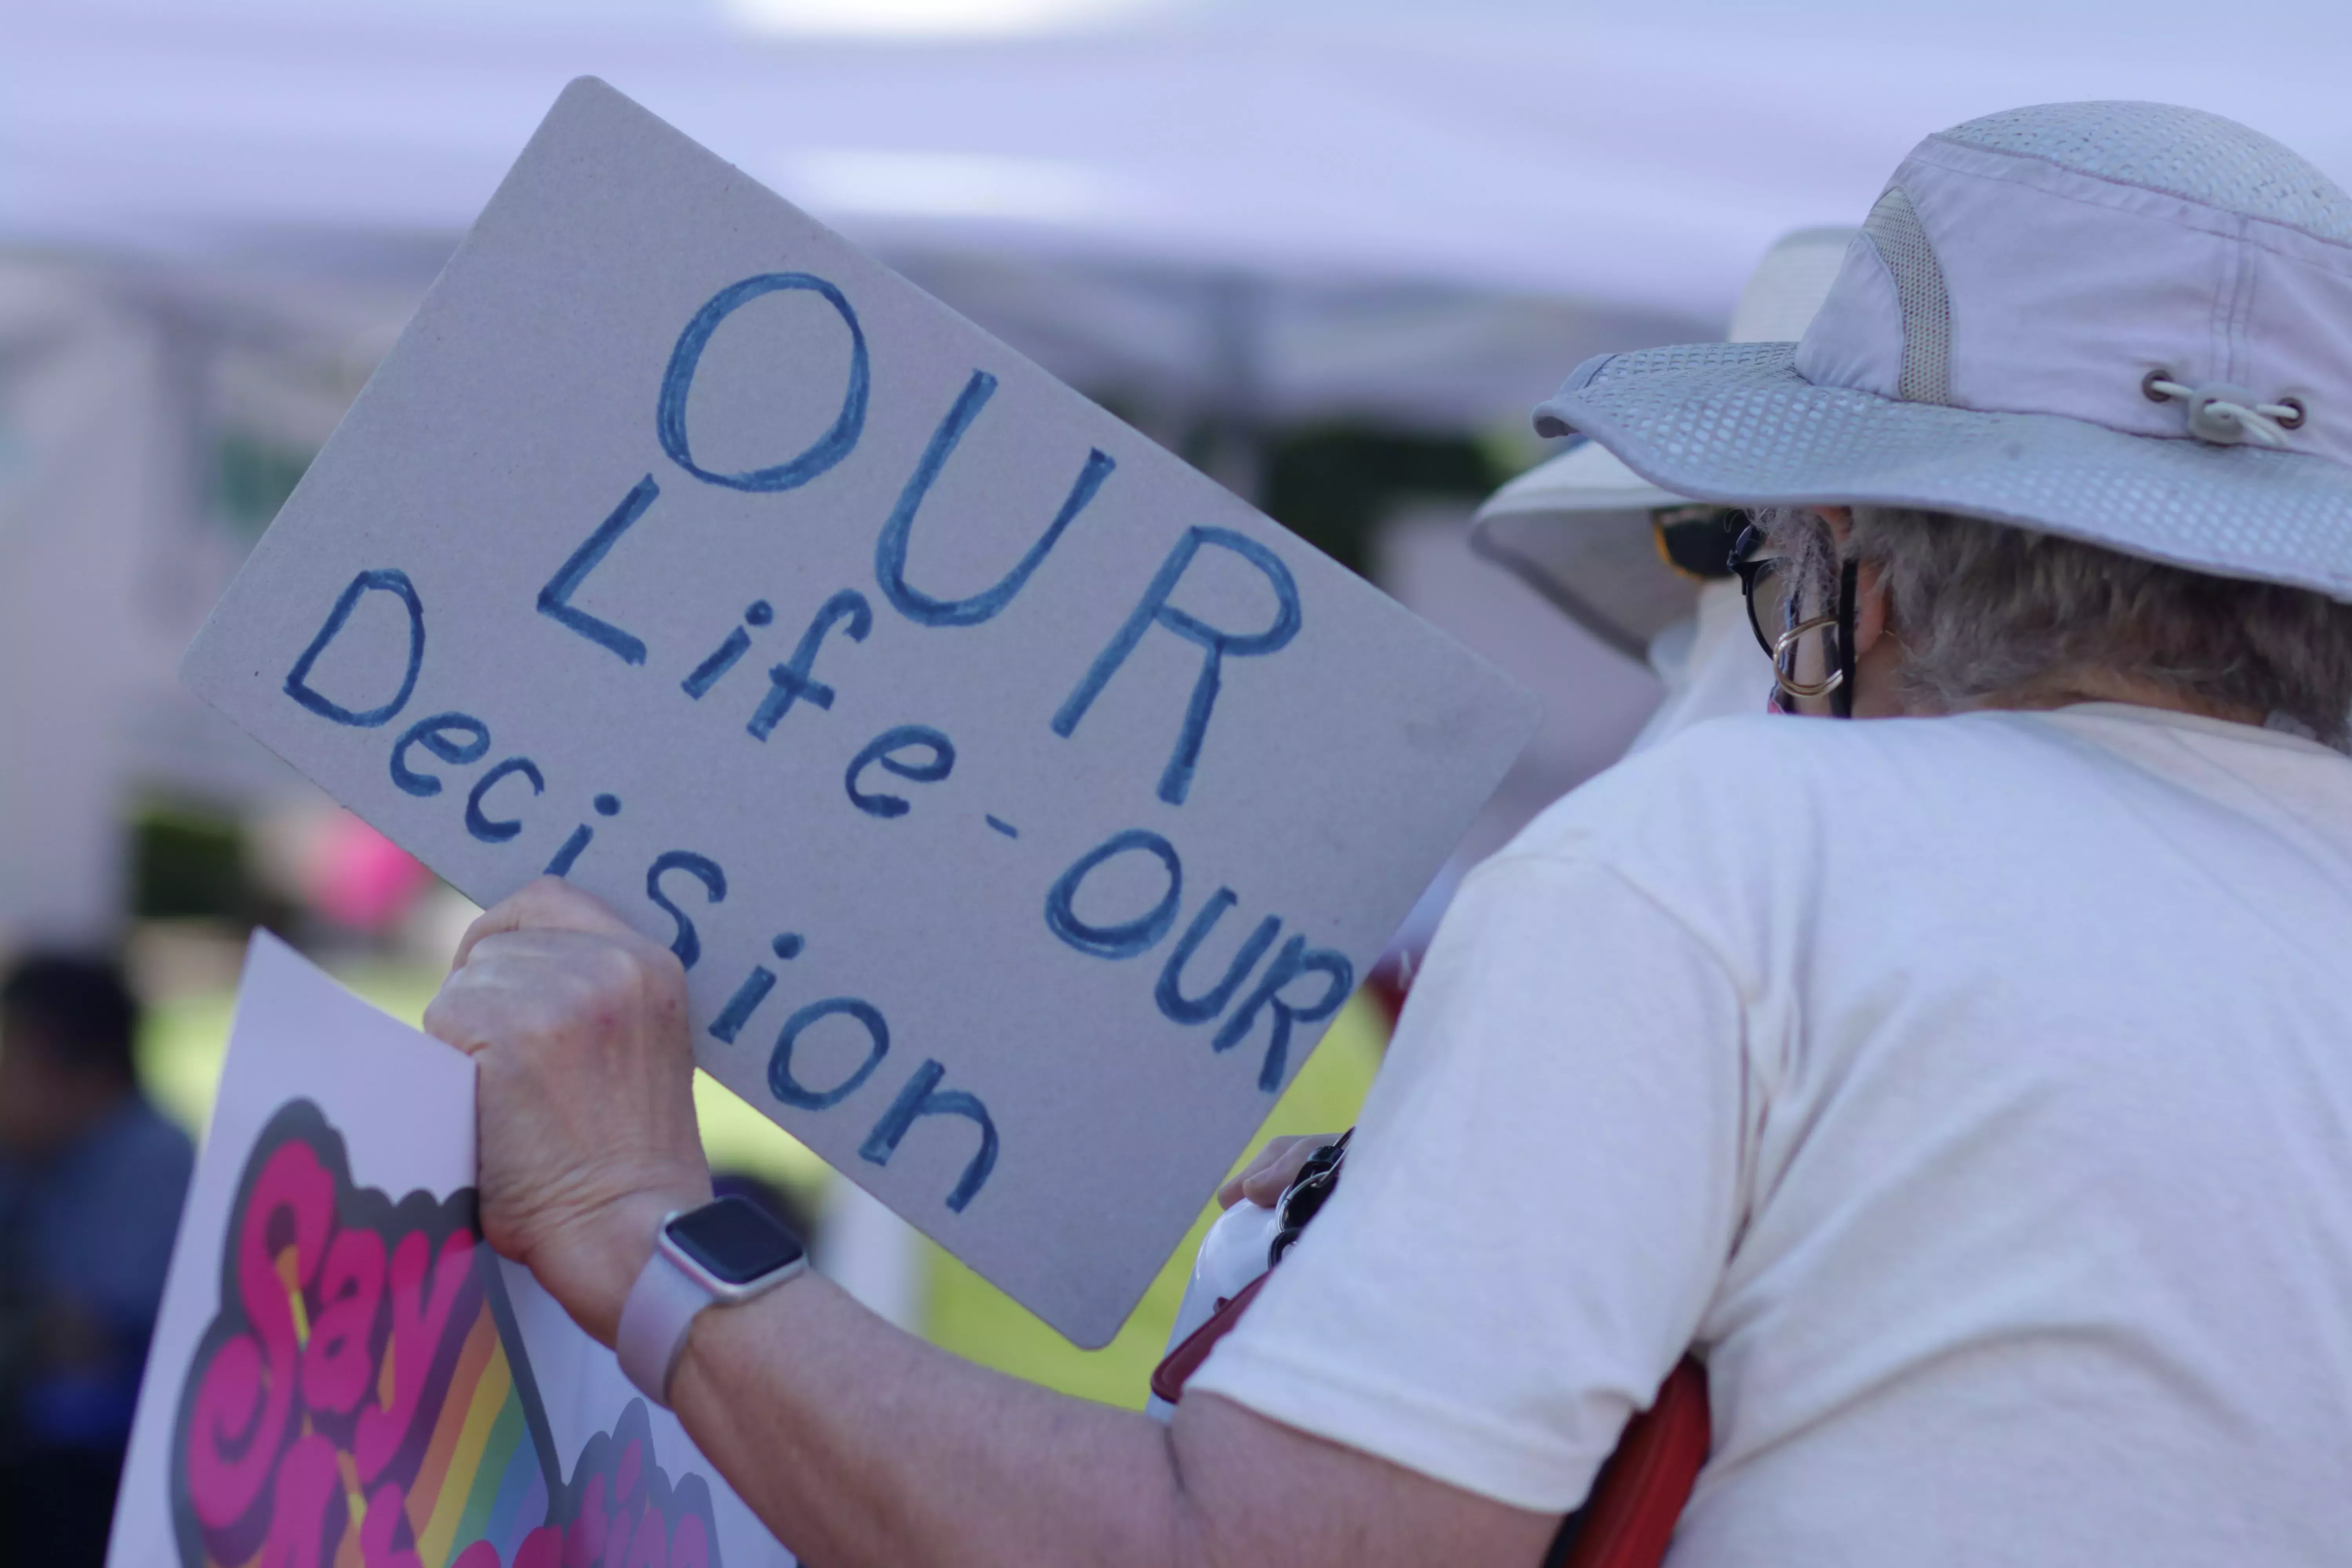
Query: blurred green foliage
(1332,486)
(252,477)
(189,864)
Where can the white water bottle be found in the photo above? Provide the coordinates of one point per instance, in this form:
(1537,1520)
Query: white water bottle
(1233,1254)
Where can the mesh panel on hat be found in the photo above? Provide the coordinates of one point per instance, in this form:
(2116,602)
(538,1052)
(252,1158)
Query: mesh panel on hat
(1893,228)
(2184,153)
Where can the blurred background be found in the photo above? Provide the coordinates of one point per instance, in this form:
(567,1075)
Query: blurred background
(1329,252)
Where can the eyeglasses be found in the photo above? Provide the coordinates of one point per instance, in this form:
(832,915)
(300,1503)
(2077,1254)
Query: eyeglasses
(1781,626)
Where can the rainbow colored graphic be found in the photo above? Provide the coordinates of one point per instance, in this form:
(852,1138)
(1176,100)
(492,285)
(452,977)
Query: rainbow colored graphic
(483,1478)
(363,1398)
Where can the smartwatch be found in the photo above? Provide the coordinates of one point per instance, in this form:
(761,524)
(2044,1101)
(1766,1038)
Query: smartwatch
(726,1251)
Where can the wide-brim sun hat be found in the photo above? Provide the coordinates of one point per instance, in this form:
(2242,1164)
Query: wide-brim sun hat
(2125,323)
(1579,522)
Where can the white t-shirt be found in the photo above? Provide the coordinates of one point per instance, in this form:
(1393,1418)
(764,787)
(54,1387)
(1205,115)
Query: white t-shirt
(1710,665)
(1974,1093)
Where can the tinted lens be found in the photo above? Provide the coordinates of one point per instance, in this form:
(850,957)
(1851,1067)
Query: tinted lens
(1697,539)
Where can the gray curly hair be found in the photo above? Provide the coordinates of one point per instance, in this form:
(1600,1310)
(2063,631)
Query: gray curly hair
(1987,613)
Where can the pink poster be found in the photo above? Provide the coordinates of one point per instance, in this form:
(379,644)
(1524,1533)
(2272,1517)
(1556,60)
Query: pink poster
(345,1375)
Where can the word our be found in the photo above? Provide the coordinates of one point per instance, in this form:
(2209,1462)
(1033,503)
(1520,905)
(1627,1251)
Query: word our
(1299,984)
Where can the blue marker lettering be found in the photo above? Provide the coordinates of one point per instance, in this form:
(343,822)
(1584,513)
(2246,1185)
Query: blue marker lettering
(1170,993)
(298,679)
(677,380)
(792,682)
(743,1003)
(722,657)
(882,750)
(1176,780)
(433,736)
(1128,938)
(556,598)
(753,991)
(923,1097)
(703,869)
(890,549)
(790,1089)
(569,855)
(1295,960)
(498,832)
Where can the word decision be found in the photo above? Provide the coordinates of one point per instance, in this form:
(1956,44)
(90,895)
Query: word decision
(1020,804)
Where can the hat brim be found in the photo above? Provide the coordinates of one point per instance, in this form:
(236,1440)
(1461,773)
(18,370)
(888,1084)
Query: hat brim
(1735,423)
(1576,528)
(1590,480)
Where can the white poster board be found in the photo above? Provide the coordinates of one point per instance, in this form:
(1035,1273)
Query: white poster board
(1023,804)
(342,1370)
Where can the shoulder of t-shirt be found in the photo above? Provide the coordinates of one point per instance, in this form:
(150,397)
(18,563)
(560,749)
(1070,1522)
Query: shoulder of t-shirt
(1753,802)
(1727,774)
(1736,768)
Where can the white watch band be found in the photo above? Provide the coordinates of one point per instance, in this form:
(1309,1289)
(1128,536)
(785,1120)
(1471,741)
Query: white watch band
(655,1319)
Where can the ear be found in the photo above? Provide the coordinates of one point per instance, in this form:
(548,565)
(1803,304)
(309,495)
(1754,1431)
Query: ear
(1869,612)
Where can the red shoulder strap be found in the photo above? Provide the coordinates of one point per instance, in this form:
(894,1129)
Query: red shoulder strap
(1168,1379)
(1640,1492)
(1630,1516)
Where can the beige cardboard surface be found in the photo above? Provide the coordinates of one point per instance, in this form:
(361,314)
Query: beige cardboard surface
(1022,802)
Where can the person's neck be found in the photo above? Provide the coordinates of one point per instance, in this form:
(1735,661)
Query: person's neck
(2110,686)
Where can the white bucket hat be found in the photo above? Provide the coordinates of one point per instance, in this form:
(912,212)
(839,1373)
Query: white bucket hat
(2127,323)
(1577,526)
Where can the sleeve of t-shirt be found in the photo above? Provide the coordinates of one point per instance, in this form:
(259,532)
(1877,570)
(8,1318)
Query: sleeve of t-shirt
(1537,1203)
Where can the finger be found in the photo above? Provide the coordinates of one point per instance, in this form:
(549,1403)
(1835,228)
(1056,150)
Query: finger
(546,902)
(1231,1192)
(1264,1188)
(447,1019)
(515,986)
(1265,1185)
(1264,1179)
(495,999)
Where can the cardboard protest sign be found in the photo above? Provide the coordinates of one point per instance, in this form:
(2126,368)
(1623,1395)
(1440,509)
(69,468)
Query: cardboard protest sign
(344,1373)
(1021,803)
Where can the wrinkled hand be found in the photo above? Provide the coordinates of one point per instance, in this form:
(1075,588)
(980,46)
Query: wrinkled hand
(577,1027)
(1264,1179)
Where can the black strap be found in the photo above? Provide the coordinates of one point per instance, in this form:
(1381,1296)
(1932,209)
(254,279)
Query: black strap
(1571,1530)
(1842,700)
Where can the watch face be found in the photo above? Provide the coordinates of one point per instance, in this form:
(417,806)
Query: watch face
(735,1239)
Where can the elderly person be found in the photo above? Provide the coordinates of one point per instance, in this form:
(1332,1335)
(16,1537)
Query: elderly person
(1970,1087)
(1639,569)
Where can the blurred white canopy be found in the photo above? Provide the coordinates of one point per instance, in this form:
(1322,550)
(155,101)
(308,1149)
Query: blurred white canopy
(214,214)
(1427,210)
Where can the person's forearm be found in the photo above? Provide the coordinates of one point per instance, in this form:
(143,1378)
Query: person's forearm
(861,1447)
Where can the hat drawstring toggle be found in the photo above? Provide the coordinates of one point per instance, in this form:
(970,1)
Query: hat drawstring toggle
(2226,415)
